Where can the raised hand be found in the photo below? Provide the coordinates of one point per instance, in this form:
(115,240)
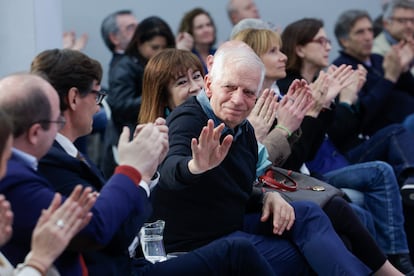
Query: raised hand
(208,152)
(58,225)
(294,105)
(319,90)
(184,41)
(146,149)
(263,114)
(339,78)
(392,64)
(349,94)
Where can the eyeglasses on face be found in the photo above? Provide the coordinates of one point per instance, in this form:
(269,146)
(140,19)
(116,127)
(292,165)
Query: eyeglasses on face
(99,95)
(60,122)
(403,20)
(322,40)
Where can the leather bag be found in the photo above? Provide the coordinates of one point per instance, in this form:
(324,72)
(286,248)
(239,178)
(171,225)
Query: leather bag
(294,186)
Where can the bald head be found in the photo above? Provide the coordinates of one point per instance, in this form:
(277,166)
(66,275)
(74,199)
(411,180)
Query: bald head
(32,103)
(241,9)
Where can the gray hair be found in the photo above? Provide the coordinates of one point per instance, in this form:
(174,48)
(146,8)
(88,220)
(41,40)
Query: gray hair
(396,4)
(110,26)
(236,53)
(249,23)
(346,21)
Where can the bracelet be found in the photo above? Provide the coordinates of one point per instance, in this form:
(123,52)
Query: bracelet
(285,129)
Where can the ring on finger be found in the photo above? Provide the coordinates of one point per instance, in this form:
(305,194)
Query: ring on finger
(60,223)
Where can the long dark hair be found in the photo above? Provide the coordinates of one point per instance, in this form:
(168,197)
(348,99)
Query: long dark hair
(297,33)
(147,29)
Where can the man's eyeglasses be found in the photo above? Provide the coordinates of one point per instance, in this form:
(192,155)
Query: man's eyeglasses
(60,122)
(322,40)
(99,95)
(403,20)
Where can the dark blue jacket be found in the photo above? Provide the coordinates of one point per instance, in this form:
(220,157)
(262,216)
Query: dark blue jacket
(29,193)
(380,103)
(65,172)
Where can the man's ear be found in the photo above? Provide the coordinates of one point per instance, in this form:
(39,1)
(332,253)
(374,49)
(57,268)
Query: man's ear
(207,85)
(33,134)
(114,38)
(72,98)
(209,62)
(343,42)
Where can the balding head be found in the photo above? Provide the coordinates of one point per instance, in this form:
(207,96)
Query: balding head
(32,103)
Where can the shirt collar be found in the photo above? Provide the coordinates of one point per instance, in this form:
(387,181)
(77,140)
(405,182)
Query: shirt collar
(206,106)
(67,145)
(27,158)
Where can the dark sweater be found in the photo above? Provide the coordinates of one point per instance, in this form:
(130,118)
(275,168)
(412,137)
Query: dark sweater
(201,208)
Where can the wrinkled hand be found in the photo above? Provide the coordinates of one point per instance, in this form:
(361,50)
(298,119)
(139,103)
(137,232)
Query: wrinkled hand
(207,152)
(147,148)
(6,220)
(184,41)
(283,213)
(49,240)
(263,114)
(295,104)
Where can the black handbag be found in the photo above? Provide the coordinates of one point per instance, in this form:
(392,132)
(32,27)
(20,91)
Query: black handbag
(294,186)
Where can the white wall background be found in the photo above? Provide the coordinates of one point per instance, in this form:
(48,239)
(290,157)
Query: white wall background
(22,36)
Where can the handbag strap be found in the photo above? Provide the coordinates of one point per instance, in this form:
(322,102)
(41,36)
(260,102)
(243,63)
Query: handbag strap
(269,179)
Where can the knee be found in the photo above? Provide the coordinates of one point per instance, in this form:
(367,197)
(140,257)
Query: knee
(306,209)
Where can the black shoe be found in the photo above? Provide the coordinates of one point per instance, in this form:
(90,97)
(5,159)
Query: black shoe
(402,262)
(407,193)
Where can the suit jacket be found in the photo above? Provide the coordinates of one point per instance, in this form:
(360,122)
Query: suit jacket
(29,193)
(65,172)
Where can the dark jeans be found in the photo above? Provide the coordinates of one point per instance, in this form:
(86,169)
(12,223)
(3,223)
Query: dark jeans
(231,256)
(312,238)
(392,144)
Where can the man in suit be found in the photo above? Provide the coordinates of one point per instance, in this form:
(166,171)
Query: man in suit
(33,105)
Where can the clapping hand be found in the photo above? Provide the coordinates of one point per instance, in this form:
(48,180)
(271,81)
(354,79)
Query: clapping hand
(6,220)
(295,104)
(58,225)
(263,114)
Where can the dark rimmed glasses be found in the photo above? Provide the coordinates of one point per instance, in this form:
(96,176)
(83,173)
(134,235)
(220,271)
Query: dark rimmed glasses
(99,95)
(322,40)
(403,20)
